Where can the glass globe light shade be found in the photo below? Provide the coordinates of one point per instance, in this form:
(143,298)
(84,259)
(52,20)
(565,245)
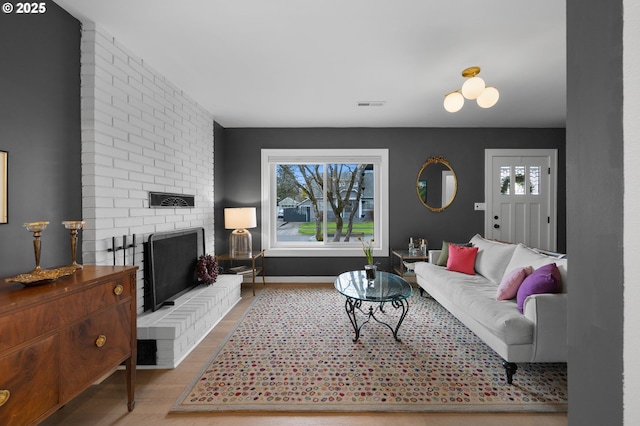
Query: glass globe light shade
(488,98)
(473,87)
(453,101)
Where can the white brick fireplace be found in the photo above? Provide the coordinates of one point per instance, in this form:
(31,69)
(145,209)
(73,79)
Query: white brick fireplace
(140,133)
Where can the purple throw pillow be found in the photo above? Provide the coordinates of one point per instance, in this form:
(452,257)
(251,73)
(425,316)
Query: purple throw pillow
(545,279)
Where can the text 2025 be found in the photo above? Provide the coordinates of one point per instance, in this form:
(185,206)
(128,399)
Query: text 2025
(31,7)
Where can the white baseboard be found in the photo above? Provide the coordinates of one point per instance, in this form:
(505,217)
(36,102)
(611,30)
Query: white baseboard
(294,279)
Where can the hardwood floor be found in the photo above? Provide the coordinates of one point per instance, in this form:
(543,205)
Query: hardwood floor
(157,390)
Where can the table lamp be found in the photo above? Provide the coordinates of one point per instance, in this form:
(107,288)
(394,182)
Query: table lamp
(239,219)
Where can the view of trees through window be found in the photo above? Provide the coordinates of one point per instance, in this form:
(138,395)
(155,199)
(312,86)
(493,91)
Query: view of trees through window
(337,196)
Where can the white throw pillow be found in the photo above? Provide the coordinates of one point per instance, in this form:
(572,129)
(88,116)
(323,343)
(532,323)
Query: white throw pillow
(493,257)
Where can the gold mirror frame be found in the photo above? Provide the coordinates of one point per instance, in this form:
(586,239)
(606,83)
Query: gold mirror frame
(421,187)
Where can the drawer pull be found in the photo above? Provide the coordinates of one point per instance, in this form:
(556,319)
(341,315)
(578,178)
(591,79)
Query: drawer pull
(118,290)
(101,340)
(4,396)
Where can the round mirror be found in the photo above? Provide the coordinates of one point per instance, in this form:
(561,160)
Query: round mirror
(436,184)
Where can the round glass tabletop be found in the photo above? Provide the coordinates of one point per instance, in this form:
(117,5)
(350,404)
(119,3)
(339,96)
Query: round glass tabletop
(386,287)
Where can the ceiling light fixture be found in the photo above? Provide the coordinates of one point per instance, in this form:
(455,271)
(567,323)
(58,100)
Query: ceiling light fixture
(473,88)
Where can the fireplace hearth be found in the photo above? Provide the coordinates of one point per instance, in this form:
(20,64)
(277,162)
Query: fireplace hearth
(179,311)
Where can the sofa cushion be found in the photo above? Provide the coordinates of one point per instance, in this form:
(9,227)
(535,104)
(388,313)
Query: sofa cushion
(524,256)
(492,258)
(545,279)
(508,288)
(475,296)
(462,259)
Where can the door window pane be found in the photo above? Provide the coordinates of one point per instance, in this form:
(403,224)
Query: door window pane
(534,180)
(505,180)
(520,180)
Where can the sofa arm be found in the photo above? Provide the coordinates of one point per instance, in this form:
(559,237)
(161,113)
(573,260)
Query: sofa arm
(548,312)
(434,255)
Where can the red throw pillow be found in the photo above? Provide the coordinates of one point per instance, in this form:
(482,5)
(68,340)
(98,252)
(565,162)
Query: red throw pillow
(462,259)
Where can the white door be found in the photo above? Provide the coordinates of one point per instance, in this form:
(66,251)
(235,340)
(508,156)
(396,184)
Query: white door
(520,191)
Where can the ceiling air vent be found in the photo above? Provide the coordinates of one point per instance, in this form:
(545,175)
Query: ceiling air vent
(371,103)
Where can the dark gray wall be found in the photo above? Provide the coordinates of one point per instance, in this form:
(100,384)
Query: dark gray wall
(218,182)
(408,148)
(40,127)
(594,206)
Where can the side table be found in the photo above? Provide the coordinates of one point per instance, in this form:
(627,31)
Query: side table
(402,256)
(244,265)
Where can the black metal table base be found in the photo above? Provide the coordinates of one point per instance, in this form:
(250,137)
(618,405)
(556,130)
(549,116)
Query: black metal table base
(354,305)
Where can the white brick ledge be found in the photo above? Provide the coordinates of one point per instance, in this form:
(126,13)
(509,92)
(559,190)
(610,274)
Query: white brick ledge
(178,329)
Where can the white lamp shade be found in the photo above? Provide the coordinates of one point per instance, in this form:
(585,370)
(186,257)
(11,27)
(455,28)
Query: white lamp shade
(240,218)
(473,87)
(488,98)
(453,102)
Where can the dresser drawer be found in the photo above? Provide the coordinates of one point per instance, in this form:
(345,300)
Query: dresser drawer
(29,382)
(96,344)
(22,326)
(92,299)
(19,327)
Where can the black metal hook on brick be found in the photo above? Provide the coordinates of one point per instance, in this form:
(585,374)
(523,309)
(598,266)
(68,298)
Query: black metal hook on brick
(124,248)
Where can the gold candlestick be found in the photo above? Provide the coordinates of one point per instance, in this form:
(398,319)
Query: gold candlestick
(74,226)
(36,228)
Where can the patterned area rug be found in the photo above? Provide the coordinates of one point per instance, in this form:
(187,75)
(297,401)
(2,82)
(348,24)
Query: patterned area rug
(293,350)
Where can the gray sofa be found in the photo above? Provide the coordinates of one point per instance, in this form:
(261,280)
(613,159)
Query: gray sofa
(539,334)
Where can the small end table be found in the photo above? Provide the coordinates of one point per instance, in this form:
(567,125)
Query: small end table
(403,255)
(244,268)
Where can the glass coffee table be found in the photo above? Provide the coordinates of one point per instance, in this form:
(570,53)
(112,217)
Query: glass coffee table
(386,289)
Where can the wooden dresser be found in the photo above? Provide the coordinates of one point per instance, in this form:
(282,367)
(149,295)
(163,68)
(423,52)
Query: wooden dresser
(57,339)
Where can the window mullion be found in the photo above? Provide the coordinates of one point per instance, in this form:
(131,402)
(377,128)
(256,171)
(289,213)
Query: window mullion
(325,202)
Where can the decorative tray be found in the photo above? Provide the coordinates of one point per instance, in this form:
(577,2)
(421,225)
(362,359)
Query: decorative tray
(41,276)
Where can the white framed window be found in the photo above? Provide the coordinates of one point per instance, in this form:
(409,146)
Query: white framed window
(325,202)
